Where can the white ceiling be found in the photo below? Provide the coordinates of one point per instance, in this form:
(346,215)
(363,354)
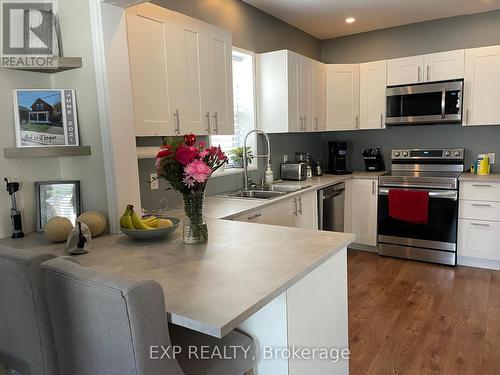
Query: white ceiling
(326,18)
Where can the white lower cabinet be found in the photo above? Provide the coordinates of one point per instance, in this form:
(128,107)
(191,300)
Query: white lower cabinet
(300,212)
(282,213)
(479,239)
(363,216)
(307,211)
(479,224)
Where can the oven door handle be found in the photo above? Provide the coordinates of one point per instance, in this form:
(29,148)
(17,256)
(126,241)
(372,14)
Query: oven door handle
(442,194)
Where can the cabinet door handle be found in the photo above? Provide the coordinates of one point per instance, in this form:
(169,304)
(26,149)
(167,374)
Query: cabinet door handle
(374,187)
(381,120)
(480,225)
(304,123)
(300,205)
(296,212)
(177,122)
(207,115)
(315,123)
(480,205)
(253,217)
(467,117)
(428,72)
(216,120)
(357,122)
(482,185)
(419,73)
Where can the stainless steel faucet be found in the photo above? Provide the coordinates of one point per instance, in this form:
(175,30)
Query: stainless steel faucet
(267,155)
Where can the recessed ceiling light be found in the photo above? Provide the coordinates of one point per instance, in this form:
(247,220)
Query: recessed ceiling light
(350,20)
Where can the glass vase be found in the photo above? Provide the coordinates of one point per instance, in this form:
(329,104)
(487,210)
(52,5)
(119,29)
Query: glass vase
(195,229)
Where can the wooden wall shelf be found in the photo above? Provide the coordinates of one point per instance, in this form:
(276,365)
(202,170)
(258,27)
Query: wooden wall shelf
(63,64)
(46,152)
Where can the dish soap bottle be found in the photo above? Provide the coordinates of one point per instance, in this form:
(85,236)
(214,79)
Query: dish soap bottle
(269,176)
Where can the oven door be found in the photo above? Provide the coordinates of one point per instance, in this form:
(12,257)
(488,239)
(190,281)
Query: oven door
(440,233)
(425,103)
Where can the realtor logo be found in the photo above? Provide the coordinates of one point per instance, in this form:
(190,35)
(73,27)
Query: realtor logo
(28,35)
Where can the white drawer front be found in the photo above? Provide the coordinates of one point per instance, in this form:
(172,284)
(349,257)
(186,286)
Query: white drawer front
(480,191)
(479,239)
(480,210)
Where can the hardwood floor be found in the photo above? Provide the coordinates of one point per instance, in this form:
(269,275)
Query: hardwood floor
(413,318)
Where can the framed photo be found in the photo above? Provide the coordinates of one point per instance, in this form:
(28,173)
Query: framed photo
(45,118)
(57,198)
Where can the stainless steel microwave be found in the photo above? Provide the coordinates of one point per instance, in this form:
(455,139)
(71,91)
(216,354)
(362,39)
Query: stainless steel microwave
(427,103)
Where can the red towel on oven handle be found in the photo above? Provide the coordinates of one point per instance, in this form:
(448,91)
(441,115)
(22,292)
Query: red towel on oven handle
(409,205)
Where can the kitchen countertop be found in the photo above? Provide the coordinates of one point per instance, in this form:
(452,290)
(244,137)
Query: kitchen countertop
(493,177)
(212,288)
(220,206)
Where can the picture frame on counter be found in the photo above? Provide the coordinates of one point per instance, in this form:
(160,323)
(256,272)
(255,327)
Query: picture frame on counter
(57,198)
(46,117)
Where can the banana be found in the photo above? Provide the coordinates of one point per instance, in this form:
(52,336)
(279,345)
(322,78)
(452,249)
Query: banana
(124,220)
(149,220)
(138,224)
(128,223)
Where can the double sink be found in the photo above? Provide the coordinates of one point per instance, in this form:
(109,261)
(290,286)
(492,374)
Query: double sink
(270,192)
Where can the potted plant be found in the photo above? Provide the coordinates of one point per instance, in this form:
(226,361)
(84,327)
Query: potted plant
(187,165)
(236,156)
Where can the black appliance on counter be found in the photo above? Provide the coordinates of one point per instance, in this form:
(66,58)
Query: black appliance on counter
(435,172)
(337,158)
(374,162)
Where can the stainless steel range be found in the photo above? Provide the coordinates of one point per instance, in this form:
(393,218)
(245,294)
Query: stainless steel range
(433,173)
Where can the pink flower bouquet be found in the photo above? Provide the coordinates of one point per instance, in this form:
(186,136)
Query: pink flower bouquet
(186,164)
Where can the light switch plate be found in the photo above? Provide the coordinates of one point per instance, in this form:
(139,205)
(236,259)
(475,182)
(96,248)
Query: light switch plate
(153,181)
(492,157)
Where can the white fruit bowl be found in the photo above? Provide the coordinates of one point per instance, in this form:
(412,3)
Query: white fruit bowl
(152,234)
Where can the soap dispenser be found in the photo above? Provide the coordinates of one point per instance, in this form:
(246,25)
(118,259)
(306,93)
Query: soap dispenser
(269,176)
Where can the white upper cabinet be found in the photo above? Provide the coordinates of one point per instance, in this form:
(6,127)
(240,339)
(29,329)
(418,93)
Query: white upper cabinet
(286,92)
(295,101)
(181,73)
(150,32)
(372,97)
(342,97)
(307,92)
(482,86)
(426,68)
(191,42)
(319,96)
(220,81)
(406,70)
(444,66)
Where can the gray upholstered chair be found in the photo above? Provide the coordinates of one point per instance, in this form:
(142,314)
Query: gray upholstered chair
(105,325)
(26,342)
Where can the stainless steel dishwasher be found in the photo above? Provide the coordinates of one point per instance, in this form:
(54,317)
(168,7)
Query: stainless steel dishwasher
(331,206)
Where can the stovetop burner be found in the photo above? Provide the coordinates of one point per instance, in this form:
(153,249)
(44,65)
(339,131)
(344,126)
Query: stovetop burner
(425,168)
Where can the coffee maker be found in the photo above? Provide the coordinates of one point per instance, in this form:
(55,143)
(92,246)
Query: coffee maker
(337,158)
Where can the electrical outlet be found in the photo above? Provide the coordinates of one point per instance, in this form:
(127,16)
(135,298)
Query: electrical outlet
(492,157)
(153,181)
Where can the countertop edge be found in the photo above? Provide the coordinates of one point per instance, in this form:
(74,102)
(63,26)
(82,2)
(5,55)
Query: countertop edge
(469,177)
(220,332)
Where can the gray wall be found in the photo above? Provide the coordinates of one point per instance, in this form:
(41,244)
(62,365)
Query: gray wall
(475,140)
(426,37)
(469,31)
(252,28)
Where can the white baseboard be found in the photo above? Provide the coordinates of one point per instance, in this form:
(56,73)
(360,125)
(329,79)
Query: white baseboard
(478,263)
